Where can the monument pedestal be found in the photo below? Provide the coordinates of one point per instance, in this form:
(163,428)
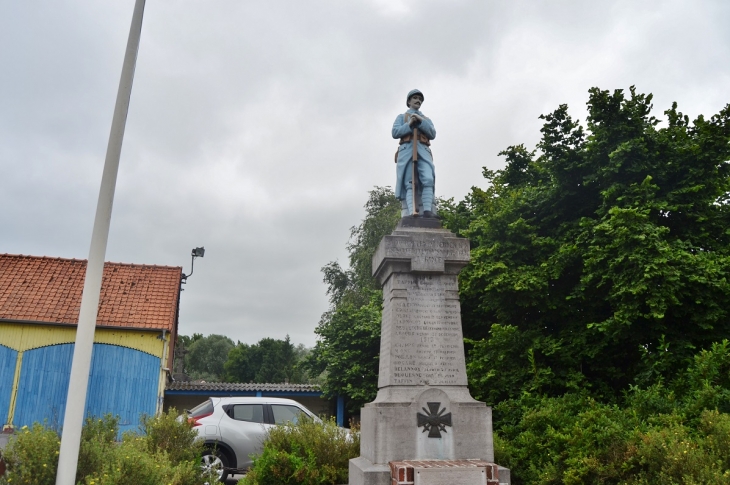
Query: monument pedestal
(423,410)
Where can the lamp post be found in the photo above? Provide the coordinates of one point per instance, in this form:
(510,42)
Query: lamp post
(196,253)
(81,363)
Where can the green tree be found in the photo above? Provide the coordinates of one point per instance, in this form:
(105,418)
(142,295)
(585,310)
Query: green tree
(599,259)
(240,366)
(182,345)
(187,341)
(206,355)
(269,360)
(346,353)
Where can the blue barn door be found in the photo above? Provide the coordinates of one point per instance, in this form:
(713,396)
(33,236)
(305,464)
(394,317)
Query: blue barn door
(123,382)
(43,386)
(8,357)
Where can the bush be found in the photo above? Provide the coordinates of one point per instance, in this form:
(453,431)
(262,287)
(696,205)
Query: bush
(165,453)
(32,456)
(307,453)
(572,439)
(132,464)
(98,437)
(576,440)
(676,453)
(164,433)
(673,433)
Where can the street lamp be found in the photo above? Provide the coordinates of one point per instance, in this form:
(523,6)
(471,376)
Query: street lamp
(196,253)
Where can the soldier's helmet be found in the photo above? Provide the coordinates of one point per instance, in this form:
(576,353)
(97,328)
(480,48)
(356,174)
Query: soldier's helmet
(413,92)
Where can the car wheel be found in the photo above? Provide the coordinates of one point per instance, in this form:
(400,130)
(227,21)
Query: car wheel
(215,461)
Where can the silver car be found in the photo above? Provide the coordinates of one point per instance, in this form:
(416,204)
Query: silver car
(234,428)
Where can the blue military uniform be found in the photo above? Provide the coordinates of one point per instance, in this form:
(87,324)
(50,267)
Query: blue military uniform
(404,156)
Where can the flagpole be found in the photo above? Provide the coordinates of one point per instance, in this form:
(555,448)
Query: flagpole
(81,364)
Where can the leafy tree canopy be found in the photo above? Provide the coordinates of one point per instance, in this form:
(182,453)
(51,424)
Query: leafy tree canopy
(216,358)
(186,341)
(206,355)
(346,353)
(269,360)
(599,260)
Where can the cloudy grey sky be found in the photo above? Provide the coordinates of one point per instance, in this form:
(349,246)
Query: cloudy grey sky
(257,128)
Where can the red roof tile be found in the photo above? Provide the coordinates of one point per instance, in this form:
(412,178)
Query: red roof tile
(43,289)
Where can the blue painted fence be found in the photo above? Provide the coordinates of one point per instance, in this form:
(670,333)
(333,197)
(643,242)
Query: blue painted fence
(8,357)
(122,382)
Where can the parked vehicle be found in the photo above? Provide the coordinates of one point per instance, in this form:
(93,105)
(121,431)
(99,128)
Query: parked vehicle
(234,428)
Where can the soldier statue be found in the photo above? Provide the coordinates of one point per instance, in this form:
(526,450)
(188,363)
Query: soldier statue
(414,162)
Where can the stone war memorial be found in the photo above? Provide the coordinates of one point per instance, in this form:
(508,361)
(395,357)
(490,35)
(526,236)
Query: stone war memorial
(423,427)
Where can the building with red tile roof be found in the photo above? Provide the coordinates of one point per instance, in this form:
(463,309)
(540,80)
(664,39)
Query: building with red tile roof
(42,289)
(137,321)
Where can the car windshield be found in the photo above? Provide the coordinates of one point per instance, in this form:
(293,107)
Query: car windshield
(204,408)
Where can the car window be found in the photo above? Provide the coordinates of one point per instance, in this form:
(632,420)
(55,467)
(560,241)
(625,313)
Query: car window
(248,412)
(286,414)
(204,408)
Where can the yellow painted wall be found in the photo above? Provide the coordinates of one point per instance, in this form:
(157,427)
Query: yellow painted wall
(22,337)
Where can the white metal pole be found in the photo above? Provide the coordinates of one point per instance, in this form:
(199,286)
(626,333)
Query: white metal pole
(80,366)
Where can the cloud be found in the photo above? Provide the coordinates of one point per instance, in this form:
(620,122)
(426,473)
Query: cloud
(257,129)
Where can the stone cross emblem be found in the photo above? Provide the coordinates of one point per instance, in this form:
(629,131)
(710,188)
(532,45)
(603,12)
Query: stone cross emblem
(434,421)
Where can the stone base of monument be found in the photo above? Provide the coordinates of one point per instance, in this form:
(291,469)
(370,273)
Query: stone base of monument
(423,410)
(453,426)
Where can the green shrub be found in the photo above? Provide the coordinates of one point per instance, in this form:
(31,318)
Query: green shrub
(165,433)
(669,433)
(31,456)
(132,464)
(98,437)
(307,453)
(576,440)
(165,453)
(572,439)
(716,428)
(677,454)
(276,467)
